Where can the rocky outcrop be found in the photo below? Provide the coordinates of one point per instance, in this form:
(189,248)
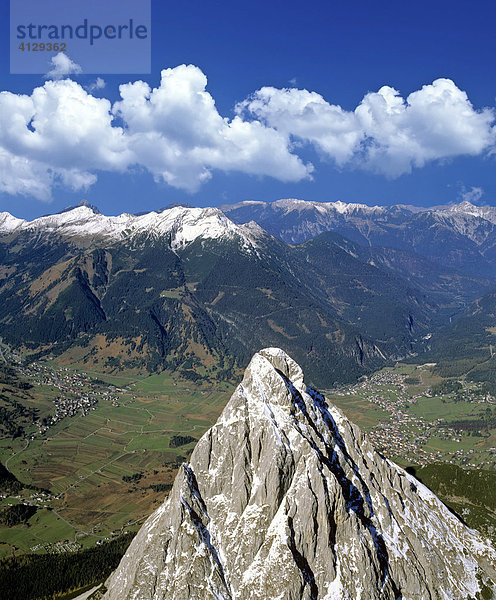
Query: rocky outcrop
(285,499)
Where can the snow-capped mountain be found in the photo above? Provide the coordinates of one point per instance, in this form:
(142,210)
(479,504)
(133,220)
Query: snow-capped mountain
(462,236)
(468,209)
(8,223)
(284,498)
(288,205)
(183,224)
(332,209)
(161,285)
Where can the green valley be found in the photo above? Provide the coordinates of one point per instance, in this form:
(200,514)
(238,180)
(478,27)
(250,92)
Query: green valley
(87,460)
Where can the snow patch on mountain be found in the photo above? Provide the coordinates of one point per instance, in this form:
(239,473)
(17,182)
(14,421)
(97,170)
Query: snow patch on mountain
(467,208)
(8,223)
(183,225)
(324,208)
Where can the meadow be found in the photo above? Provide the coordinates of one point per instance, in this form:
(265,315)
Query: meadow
(82,459)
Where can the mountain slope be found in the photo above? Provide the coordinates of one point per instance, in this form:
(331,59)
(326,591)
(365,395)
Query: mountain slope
(284,498)
(120,304)
(177,289)
(467,345)
(461,236)
(401,293)
(149,298)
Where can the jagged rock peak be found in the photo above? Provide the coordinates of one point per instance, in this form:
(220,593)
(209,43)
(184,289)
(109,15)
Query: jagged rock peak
(285,499)
(84,203)
(281,362)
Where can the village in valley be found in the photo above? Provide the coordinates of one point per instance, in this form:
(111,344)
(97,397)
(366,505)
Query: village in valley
(78,392)
(91,454)
(414,425)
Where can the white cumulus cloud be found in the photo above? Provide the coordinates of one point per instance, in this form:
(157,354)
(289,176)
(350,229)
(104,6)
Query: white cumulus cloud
(61,134)
(385,133)
(435,122)
(177,133)
(306,116)
(62,66)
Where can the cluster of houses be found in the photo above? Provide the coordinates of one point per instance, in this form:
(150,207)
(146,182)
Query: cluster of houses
(59,547)
(405,435)
(79,393)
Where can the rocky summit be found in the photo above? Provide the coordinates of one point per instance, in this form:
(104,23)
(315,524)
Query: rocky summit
(285,499)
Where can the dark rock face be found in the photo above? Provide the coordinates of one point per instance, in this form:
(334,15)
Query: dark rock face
(285,499)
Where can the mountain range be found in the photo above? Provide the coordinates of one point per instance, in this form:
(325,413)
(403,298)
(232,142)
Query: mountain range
(460,235)
(285,498)
(191,290)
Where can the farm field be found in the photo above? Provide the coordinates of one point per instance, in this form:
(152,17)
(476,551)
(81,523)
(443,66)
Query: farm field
(83,459)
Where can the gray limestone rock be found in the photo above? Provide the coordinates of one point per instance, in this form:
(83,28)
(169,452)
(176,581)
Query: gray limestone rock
(285,499)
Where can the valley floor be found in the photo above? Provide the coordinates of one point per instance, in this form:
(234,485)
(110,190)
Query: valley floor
(105,448)
(411,423)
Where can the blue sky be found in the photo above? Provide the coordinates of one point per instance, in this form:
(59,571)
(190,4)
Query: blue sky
(252,137)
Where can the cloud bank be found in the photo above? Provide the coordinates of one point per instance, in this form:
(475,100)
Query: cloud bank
(386,133)
(63,135)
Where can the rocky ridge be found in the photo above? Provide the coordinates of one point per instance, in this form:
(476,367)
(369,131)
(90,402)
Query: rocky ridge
(284,498)
(462,236)
(183,225)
